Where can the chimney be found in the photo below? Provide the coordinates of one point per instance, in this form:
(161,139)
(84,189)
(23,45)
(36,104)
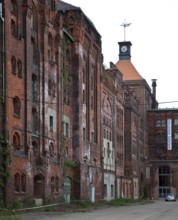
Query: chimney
(154,87)
(154,102)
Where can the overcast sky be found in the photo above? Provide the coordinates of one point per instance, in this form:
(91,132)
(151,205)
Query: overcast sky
(153,34)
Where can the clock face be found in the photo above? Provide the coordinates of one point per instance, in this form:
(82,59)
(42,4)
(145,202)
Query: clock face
(124,48)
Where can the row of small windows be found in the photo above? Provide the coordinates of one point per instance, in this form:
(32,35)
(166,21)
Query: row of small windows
(107,135)
(107,153)
(54,184)
(20,183)
(107,122)
(17,145)
(106,191)
(161,150)
(93,137)
(161,136)
(162,123)
(16,109)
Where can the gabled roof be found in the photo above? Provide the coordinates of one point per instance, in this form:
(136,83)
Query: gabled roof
(128,70)
(63,6)
(67,6)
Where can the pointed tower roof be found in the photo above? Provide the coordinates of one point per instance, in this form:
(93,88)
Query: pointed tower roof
(128,70)
(124,64)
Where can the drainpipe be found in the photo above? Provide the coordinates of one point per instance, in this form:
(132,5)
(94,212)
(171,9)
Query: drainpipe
(3,54)
(3,129)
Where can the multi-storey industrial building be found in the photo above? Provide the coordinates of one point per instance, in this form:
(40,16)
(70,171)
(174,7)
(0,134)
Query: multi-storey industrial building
(69,128)
(162,160)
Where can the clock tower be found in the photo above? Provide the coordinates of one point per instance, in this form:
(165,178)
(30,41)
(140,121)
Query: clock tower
(124,50)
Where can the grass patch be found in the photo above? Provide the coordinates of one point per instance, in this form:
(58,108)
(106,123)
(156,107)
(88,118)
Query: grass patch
(9,215)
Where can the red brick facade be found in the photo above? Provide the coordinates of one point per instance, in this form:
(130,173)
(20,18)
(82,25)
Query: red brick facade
(73,129)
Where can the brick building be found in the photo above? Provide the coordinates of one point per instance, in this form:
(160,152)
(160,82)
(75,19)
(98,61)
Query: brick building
(112,102)
(137,100)
(69,128)
(50,115)
(86,64)
(162,161)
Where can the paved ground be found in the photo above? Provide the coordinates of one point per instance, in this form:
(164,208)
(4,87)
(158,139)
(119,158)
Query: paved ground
(160,210)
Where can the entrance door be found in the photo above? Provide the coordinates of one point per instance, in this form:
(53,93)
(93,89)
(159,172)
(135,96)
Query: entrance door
(38,186)
(164,181)
(67,189)
(92,192)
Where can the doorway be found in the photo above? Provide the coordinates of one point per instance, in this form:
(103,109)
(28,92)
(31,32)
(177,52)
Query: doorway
(164,181)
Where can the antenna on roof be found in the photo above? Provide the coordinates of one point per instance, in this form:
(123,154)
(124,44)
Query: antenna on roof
(125,24)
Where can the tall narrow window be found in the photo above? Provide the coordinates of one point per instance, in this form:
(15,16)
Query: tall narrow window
(14,20)
(92,137)
(57,183)
(112,190)
(13,65)
(16,106)
(19,68)
(23,183)
(17,182)
(13,28)
(52,184)
(34,21)
(105,190)
(34,50)
(67,130)
(108,151)
(51,149)
(34,88)
(34,122)
(16,141)
(51,123)
(84,134)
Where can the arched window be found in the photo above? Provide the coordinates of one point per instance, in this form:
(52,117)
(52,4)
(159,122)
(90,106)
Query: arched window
(17,182)
(13,65)
(16,141)
(35,148)
(16,106)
